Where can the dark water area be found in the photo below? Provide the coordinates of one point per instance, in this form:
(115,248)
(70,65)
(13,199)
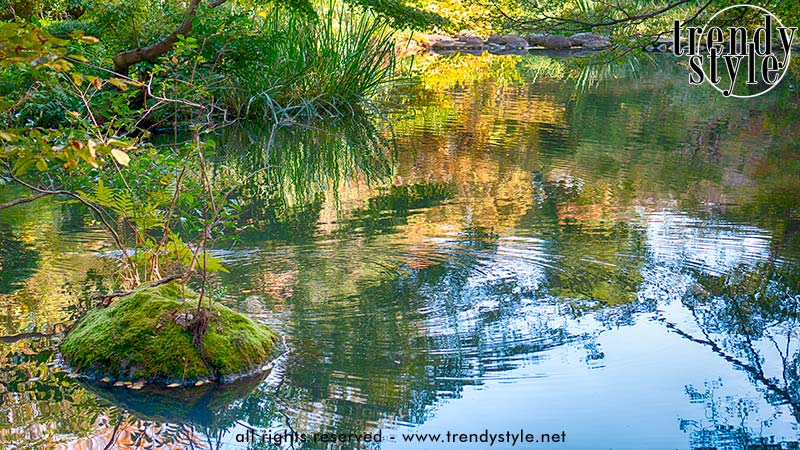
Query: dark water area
(612,255)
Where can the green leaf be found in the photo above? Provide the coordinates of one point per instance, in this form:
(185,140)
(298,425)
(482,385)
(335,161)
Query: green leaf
(23,164)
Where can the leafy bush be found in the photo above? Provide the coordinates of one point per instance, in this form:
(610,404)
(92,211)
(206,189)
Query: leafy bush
(28,10)
(20,9)
(130,24)
(69,26)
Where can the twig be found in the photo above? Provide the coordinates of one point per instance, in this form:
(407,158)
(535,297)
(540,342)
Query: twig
(167,220)
(113,438)
(115,294)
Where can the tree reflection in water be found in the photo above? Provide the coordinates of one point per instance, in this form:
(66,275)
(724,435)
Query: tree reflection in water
(749,317)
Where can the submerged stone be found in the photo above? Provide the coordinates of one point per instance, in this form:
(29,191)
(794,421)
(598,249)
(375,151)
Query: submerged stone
(148,335)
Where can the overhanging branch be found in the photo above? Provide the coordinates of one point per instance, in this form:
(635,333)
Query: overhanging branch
(23,200)
(125,59)
(629,18)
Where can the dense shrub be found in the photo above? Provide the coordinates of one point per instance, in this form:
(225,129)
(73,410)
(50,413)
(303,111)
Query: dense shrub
(66,27)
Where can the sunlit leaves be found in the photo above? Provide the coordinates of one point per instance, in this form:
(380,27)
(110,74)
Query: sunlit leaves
(120,156)
(89,39)
(140,214)
(27,45)
(66,148)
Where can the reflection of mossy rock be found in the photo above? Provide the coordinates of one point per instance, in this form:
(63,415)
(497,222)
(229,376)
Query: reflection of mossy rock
(204,405)
(146,335)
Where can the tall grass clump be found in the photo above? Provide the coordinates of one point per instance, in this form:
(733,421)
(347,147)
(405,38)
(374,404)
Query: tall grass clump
(335,65)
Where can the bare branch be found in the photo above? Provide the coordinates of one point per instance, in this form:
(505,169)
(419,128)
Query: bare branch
(105,298)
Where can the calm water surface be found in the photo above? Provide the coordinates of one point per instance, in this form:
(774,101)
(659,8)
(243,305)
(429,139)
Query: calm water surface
(614,257)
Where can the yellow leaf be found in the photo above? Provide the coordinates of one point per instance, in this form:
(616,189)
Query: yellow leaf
(89,39)
(120,156)
(92,148)
(118,83)
(262,14)
(119,144)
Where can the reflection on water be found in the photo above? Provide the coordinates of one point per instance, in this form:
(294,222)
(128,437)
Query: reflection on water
(614,258)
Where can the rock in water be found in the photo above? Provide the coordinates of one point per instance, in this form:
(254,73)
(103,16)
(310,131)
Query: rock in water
(557,42)
(138,337)
(445,43)
(536,40)
(598,44)
(508,41)
(582,38)
(469,40)
(435,40)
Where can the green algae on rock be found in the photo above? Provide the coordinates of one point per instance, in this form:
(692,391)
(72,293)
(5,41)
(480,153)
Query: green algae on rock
(148,335)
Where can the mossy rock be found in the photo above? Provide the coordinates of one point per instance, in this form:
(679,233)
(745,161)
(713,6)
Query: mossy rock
(145,335)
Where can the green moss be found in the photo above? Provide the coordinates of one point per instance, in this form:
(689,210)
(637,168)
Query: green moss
(138,336)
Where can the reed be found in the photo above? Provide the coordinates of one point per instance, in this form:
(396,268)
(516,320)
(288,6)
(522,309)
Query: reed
(333,66)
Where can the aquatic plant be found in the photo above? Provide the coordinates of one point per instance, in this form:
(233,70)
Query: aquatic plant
(293,67)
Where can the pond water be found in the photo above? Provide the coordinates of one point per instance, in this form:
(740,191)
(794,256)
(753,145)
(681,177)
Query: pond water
(612,260)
